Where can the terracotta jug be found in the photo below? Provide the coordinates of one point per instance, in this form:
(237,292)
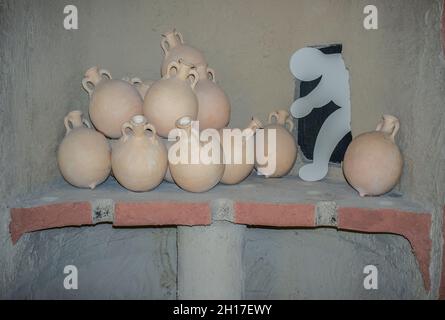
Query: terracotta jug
(172,97)
(193,174)
(139,159)
(142,86)
(373,163)
(174,49)
(214,106)
(236,171)
(286,147)
(112,102)
(84,156)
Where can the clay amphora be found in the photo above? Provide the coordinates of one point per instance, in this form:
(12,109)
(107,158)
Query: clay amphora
(139,159)
(112,102)
(236,172)
(84,156)
(214,105)
(194,176)
(286,147)
(174,49)
(172,97)
(373,162)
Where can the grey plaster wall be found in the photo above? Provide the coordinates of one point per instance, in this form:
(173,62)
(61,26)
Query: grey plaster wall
(327,264)
(111,264)
(398,69)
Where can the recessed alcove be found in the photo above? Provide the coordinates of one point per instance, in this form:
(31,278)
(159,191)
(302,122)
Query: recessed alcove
(261,239)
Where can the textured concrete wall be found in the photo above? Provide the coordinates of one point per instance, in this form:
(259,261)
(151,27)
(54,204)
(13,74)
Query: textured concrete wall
(398,68)
(327,264)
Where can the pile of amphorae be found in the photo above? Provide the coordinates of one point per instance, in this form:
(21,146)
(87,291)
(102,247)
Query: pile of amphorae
(138,116)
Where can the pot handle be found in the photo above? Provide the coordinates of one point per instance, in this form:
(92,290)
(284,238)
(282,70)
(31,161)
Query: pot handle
(180,37)
(211,72)
(151,127)
(86,123)
(273,115)
(395,130)
(193,74)
(67,121)
(88,85)
(171,65)
(105,72)
(290,123)
(125,126)
(165,46)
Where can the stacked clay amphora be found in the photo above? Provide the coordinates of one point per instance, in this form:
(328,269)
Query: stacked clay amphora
(285,151)
(84,156)
(239,152)
(172,97)
(214,105)
(188,168)
(139,158)
(373,162)
(174,50)
(112,102)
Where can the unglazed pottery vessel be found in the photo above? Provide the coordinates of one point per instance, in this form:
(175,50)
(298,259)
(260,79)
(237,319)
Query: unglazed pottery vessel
(112,102)
(214,105)
(194,175)
(373,162)
(235,170)
(174,49)
(172,97)
(139,159)
(84,156)
(286,148)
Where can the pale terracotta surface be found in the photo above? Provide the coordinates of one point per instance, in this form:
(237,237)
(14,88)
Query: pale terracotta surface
(174,49)
(195,177)
(139,159)
(112,102)
(172,97)
(235,173)
(373,162)
(84,156)
(214,105)
(286,146)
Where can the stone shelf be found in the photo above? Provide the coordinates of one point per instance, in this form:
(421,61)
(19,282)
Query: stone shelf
(284,203)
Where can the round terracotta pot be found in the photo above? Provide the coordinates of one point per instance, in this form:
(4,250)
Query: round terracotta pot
(214,105)
(139,159)
(373,163)
(193,174)
(171,98)
(174,49)
(84,156)
(112,102)
(285,152)
(238,169)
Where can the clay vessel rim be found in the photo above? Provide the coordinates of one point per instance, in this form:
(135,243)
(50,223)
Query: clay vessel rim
(90,70)
(184,122)
(138,120)
(169,32)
